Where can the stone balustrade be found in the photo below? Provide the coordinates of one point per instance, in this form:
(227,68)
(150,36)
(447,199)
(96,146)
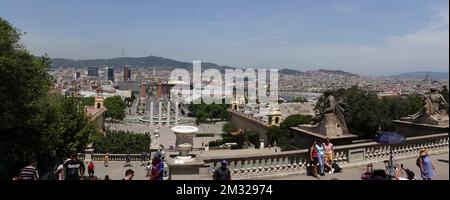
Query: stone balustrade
(270,164)
(116,157)
(295,162)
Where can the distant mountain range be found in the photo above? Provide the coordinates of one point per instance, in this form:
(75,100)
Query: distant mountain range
(290,72)
(421,75)
(337,72)
(161,63)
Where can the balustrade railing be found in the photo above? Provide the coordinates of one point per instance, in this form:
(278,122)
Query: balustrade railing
(295,162)
(117,157)
(290,162)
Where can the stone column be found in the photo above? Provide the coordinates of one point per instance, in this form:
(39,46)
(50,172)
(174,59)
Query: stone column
(151,113)
(159,113)
(168,113)
(176,112)
(88,154)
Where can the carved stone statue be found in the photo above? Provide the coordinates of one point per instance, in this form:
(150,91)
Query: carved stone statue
(337,109)
(435,110)
(331,121)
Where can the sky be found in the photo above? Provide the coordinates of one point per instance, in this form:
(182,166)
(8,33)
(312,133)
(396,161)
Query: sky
(369,37)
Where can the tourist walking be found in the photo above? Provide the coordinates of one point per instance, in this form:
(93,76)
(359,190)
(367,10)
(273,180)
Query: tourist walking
(58,174)
(222,172)
(73,168)
(314,156)
(128,160)
(29,172)
(142,159)
(91,169)
(328,155)
(148,170)
(157,171)
(129,174)
(106,160)
(425,164)
(321,157)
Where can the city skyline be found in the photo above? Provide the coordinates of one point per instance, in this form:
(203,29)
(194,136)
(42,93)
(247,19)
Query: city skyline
(368,38)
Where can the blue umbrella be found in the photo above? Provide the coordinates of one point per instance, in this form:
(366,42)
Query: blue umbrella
(389,138)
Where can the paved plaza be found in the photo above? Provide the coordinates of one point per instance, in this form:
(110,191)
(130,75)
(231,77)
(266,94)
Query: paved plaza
(167,137)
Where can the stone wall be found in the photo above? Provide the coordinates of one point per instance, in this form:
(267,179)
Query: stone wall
(303,140)
(409,129)
(244,122)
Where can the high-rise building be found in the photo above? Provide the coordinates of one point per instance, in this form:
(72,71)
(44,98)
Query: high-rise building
(109,73)
(127,73)
(76,75)
(143,89)
(93,71)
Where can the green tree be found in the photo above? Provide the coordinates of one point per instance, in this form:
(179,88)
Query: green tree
(253,137)
(23,86)
(279,135)
(203,112)
(229,127)
(121,142)
(300,99)
(88,101)
(71,127)
(366,113)
(116,107)
(444,92)
(34,124)
(295,120)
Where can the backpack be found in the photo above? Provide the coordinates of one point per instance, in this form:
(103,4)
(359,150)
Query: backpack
(418,161)
(336,168)
(410,174)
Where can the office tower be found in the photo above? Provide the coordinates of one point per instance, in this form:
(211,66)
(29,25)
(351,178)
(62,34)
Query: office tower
(127,73)
(76,75)
(109,73)
(93,71)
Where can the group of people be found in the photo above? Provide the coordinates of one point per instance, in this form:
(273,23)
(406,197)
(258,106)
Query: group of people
(74,169)
(321,155)
(423,162)
(321,158)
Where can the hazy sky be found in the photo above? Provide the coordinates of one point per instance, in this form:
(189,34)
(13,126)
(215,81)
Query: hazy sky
(372,37)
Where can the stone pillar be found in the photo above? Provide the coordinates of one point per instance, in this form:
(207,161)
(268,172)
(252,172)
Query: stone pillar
(168,113)
(151,113)
(88,154)
(176,112)
(159,113)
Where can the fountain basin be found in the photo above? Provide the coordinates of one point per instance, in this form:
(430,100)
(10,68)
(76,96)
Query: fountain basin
(184,134)
(184,149)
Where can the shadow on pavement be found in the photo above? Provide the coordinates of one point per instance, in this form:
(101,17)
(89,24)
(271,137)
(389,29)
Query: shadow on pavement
(441,160)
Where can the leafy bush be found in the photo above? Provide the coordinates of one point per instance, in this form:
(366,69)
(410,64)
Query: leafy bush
(216,143)
(229,127)
(295,120)
(204,135)
(121,142)
(252,137)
